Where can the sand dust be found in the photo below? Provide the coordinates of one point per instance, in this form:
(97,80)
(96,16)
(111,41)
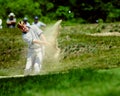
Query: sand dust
(52,52)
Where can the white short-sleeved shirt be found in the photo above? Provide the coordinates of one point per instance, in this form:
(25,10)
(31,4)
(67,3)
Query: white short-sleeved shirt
(33,34)
(11,25)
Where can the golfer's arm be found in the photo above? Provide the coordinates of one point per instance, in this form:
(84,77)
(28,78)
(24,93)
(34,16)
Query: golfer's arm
(39,42)
(43,38)
(42,41)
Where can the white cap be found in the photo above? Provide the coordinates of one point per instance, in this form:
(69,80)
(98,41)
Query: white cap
(11,14)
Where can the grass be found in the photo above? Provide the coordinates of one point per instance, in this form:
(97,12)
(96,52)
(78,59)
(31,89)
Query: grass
(77,82)
(89,65)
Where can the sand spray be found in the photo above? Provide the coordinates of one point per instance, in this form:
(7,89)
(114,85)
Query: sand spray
(52,52)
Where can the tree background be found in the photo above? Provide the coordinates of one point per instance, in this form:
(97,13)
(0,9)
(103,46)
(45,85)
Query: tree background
(79,11)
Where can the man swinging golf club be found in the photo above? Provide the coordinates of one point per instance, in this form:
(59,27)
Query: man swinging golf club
(33,36)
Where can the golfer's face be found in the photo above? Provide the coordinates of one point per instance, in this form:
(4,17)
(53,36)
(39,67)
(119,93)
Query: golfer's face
(24,28)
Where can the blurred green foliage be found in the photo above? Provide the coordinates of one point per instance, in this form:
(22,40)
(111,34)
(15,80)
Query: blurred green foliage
(48,10)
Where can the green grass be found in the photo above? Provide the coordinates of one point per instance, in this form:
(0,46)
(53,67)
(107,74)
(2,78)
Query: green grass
(77,82)
(89,65)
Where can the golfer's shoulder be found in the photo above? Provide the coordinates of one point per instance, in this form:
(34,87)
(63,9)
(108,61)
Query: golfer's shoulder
(34,26)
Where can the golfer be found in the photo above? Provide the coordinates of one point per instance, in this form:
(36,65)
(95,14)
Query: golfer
(33,36)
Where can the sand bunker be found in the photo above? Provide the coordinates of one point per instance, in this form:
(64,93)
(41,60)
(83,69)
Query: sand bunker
(106,34)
